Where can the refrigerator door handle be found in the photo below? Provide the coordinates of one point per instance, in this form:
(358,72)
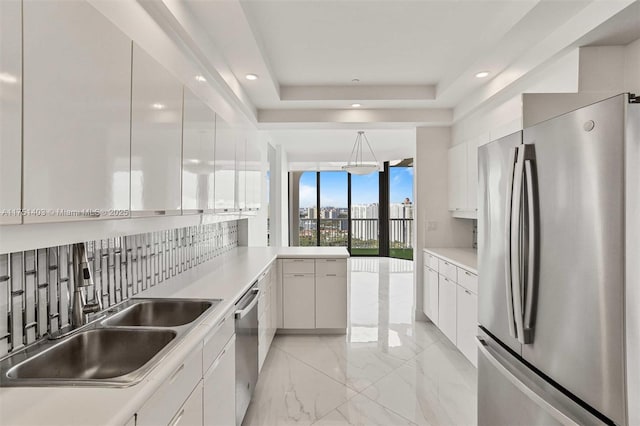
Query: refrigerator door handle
(532,223)
(545,403)
(513,153)
(515,244)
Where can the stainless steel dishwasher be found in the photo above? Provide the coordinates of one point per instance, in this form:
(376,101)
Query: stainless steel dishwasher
(246,317)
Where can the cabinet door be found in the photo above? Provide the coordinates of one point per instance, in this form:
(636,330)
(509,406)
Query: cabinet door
(241,169)
(457,182)
(299,301)
(254,172)
(430,294)
(10,110)
(467,324)
(264,313)
(447,307)
(77,69)
(190,414)
(225,167)
(275,306)
(331,301)
(198,146)
(220,389)
(156,138)
(472,175)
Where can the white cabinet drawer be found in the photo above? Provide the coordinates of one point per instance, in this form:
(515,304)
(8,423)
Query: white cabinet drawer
(430,261)
(331,267)
(298,266)
(163,405)
(468,280)
(217,339)
(448,269)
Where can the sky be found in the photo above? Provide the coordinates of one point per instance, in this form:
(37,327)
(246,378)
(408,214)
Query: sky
(364,188)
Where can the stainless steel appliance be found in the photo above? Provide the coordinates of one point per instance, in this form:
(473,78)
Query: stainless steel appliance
(559,256)
(246,317)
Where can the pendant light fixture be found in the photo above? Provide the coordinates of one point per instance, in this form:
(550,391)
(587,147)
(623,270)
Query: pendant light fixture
(356,164)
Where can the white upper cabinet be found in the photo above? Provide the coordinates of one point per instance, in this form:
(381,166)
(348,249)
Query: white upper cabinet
(463,179)
(77,82)
(472,175)
(10,110)
(225,167)
(241,169)
(254,172)
(457,177)
(198,148)
(156,138)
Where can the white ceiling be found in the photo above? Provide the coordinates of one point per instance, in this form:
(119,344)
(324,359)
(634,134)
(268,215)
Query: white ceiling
(327,145)
(416,59)
(379,42)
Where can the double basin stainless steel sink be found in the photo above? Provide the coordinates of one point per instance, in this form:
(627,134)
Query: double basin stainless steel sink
(115,350)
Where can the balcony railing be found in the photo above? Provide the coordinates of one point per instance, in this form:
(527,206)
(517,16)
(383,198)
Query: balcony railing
(364,233)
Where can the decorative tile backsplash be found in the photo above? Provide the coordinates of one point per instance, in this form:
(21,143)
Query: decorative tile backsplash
(475,234)
(35,285)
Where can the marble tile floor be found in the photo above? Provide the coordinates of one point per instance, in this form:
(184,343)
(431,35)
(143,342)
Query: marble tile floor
(387,370)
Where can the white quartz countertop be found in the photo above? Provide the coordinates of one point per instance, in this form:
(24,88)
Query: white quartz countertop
(465,258)
(226,277)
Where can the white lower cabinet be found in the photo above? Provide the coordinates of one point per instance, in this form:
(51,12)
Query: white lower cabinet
(467,318)
(190,398)
(430,294)
(190,414)
(331,301)
(165,404)
(447,290)
(314,293)
(267,305)
(299,300)
(219,389)
(450,300)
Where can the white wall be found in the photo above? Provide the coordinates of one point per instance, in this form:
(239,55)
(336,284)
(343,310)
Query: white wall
(632,67)
(434,225)
(606,69)
(502,115)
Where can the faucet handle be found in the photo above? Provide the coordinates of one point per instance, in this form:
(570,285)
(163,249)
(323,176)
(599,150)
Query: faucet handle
(91,308)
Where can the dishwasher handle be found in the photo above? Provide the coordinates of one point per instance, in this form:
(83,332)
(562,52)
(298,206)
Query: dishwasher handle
(241,313)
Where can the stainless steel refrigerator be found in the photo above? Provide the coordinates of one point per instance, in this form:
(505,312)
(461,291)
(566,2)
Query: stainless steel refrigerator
(559,270)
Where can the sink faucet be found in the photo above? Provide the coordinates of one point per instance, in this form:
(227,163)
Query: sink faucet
(80,308)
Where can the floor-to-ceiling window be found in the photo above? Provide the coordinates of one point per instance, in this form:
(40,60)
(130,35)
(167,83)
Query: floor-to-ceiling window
(308,210)
(401,209)
(334,209)
(365,203)
(371,215)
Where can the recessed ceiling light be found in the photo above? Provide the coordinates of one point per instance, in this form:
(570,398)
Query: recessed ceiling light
(200,78)
(356,105)
(355,80)
(158,106)
(251,77)
(482,74)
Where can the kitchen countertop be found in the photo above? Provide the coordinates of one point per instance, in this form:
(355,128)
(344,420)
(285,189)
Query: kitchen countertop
(226,277)
(465,258)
